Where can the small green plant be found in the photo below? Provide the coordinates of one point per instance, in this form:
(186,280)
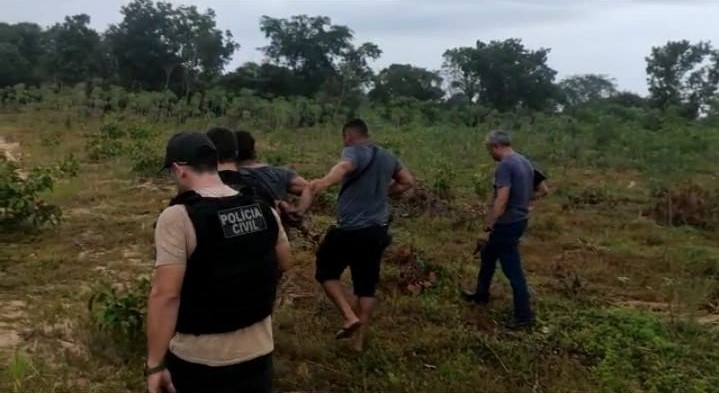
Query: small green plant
(146,160)
(20,369)
(443,178)
(20,200)
(482,182)
(119,314)
(106,143)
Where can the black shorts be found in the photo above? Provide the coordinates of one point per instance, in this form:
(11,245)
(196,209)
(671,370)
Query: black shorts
(359,249)
(253,376)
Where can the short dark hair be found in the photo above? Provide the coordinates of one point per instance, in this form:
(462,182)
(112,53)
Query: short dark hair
(245,146)
(357,125)
(225,142)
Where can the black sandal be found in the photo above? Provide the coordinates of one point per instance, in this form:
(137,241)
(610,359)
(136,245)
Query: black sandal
(347,332)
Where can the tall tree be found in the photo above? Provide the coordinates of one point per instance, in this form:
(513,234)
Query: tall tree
(683,75)
(21,46)
(503,74)
(320,55)
(581,89)
(407,81)
(156,44)
(463,77)
(73,51)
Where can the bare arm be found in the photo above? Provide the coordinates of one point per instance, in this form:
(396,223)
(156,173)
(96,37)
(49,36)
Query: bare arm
(498,207)
(333,177)
(301,187)
(541,191)
(282,248)
(403,181)
(162,309)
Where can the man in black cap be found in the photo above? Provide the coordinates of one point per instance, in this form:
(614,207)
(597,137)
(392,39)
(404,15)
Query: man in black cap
(218,254)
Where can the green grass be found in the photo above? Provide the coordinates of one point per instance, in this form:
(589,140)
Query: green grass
(592,260)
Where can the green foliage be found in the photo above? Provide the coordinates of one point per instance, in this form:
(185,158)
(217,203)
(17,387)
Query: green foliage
(683,75)
(146,158)
(119,314)
(443,177)
(106,143)
(20,200)
(631,351)
(502,74)
(406,81)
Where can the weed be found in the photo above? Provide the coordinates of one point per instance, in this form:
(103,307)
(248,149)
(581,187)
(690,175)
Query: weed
(20,200)
(119,314)
(20,369)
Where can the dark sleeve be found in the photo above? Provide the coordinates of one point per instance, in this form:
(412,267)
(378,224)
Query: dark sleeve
(503,175)
(538,178)
(351,154)
(288,175)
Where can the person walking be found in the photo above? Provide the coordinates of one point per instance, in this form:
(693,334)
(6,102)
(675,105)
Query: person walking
(280,181)
(226,145)
(368,174)
(218,258)
(504,225)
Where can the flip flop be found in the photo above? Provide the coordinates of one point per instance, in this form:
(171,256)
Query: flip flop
(349,331)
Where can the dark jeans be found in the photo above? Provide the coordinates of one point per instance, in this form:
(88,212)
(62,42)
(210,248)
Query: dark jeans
(504,245)
(254,376)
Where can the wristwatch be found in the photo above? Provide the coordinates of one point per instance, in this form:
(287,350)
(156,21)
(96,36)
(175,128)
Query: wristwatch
(154,370)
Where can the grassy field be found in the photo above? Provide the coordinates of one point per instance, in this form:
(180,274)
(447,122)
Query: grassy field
(625,303)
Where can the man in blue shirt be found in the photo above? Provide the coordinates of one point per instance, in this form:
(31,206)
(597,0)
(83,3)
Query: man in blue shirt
(504,226)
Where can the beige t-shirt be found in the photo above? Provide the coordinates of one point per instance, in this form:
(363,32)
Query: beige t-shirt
(175,241)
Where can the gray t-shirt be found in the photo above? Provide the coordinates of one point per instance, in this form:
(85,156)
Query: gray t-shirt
(364,202)
(516,172)
(276,178)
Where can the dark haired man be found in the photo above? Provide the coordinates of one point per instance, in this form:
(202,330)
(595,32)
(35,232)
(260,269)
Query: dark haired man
(226,144)
(218,252)
(369,174)
(279,181)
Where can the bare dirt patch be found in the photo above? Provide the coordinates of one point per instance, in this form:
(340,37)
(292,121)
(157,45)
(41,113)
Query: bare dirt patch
(12,312)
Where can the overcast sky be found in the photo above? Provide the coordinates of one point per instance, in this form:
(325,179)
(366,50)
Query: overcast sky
(599,36)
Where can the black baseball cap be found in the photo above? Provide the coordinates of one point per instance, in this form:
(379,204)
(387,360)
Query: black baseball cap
(190,148)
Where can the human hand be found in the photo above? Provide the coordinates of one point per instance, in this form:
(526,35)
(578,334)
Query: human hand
(482,241)
(160,382)
(318,186)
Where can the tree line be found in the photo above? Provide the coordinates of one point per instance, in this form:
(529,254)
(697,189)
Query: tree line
(158,46)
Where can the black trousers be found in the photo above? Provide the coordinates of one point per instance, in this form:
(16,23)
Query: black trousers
(254,376)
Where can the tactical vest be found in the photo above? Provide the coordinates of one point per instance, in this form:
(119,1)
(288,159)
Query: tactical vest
(231,277)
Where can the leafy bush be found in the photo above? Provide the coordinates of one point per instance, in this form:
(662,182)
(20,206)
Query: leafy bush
(119,314)
(106,143)
(146,159)
(20,200)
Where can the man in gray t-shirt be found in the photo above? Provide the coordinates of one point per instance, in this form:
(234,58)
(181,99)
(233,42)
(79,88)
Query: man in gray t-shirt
(369,174)
(504,225)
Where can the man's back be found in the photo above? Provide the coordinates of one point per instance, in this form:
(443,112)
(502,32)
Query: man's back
(276,178)
(516,172)
(363,198)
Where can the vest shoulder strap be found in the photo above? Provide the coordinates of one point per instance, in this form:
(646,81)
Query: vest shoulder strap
(185,198)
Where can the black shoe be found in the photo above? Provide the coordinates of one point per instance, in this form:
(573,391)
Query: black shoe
(473,298)
(516,324)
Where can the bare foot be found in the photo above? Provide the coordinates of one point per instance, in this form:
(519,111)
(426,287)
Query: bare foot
(358,344)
